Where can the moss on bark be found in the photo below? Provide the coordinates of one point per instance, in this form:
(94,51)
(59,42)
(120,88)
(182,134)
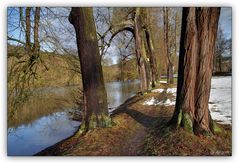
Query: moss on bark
(215,128)
(102,121)
(187,122)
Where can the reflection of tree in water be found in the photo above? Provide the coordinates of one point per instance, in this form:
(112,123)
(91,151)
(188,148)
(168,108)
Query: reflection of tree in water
(118,92)
(56,123)
(13,132)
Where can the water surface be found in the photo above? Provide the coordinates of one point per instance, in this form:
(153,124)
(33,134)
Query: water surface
(48,130)
(29,139)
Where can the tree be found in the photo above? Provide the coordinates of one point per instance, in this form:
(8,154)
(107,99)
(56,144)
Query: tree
(24,72)
(95,97)
(167,47)
(136,22)
(221,50)
(197,47)
(148,21)
(141,53)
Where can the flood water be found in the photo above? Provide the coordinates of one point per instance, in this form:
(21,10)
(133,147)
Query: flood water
(48,130)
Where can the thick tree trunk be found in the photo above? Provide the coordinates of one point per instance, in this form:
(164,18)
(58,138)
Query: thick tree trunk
(146,60)
(143,65)
(95,97)
(152,57)
(152,60)
(150,45)
(197,47)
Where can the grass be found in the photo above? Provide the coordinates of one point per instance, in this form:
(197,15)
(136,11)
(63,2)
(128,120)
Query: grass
(38,105)
(178,142)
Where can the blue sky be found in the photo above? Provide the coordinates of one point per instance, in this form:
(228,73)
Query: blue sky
(225,21)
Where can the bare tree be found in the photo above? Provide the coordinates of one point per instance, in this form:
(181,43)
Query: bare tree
(167,47)
(95,97)
(135,21)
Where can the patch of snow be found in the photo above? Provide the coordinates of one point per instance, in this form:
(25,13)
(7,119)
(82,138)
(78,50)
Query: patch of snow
(172,90)
(153,101)
(168,102)
(220,117)
(162,81)
(158,90)
(221,99)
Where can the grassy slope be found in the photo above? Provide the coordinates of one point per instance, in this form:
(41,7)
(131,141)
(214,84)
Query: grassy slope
(59,74)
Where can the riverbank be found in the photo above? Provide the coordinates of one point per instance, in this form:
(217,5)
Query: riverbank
(139,130)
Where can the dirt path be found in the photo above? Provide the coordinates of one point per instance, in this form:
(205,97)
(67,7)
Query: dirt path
(126,137)
(138,131)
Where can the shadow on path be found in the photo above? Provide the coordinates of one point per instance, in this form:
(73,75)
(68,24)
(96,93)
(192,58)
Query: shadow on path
(143,119)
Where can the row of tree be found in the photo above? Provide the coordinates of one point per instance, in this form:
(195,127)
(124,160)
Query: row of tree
(197,48)
(135,32)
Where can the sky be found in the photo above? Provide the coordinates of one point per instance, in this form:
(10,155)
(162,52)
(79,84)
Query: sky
(225,21)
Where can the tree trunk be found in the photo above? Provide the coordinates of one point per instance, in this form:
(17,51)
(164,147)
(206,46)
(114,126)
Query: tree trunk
(220,62)
(167,47)
(197,47)
(143,65)
(28,30)
(150,45)
(95,97)
(152,58)
(146,60)
(36,46)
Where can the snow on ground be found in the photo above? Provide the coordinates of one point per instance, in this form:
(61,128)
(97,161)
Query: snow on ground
(172,90)
(151,101)
(154,101)
(219,116)
(168,90)
(158,90)
(220,99)
(168,102)
(162,81)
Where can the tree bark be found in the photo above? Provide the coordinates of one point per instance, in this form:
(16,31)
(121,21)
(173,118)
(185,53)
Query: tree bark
(95,97)
(143,65)
(28,30)
(167,47)
(197,47)
(36,46)
(146,59)
(150,45)
(152,57)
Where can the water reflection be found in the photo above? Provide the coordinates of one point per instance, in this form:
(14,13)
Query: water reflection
(48,130)
(118,92)
(32,138)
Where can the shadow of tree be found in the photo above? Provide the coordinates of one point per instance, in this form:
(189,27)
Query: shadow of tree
(127,103)
(146,120)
